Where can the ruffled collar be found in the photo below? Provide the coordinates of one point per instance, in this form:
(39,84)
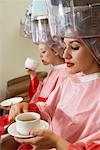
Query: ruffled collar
(86,78)
(58,66)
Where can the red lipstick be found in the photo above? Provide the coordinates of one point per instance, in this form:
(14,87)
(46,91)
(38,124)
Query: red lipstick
(69,64)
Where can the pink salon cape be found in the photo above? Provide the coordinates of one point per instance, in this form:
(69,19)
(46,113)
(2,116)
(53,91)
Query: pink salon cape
(54,78)
(73,110)
(40,91)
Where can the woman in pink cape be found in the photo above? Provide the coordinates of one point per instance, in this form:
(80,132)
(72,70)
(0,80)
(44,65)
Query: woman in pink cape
(51,53)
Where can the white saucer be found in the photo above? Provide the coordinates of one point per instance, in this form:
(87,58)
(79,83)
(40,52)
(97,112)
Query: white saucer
(12,129)
(11,101)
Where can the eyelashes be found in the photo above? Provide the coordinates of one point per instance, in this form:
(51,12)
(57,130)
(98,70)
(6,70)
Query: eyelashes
(43,51)
(75,48)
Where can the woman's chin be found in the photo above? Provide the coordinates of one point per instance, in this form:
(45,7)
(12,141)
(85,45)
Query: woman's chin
(44,63)
(72,71)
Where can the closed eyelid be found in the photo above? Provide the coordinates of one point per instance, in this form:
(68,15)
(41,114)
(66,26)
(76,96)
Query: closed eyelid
(75,42)
(43,51)
(75,47)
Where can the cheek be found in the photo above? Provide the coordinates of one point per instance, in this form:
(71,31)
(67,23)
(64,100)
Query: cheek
(87,57)
(50,56)
(81,57)
(84,60)
(46,58)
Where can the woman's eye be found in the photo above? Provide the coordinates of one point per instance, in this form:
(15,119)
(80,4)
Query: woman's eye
(43,52)
(65,48)
(75,48)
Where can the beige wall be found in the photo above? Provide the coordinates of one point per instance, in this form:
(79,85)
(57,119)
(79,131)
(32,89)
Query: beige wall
(13,48)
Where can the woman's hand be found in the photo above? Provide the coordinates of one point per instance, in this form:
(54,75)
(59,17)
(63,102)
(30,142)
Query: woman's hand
(45,139)
(32,73)
(17,109)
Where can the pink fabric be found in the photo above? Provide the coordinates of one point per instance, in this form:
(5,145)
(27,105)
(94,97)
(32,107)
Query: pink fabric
(74,109)
(54,78)
(75,115)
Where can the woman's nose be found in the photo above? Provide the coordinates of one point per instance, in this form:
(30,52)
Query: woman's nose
(67,54)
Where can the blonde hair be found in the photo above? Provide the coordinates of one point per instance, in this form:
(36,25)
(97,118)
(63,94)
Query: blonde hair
(56,46)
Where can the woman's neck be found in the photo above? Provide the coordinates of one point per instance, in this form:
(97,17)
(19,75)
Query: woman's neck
(58,62)
(94,69)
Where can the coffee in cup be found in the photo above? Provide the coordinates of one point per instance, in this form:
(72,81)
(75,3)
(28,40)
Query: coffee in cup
(26,122)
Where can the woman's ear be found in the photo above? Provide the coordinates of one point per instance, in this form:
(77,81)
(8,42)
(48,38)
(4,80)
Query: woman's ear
(56,53)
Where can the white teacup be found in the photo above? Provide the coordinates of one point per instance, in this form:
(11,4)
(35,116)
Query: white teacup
(31,64)
(26,122)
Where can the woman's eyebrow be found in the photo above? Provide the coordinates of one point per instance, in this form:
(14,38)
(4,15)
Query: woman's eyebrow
(75,41)
(72,42)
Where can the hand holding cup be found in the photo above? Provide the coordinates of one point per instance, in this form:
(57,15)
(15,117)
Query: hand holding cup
(25,122)
(31,64)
